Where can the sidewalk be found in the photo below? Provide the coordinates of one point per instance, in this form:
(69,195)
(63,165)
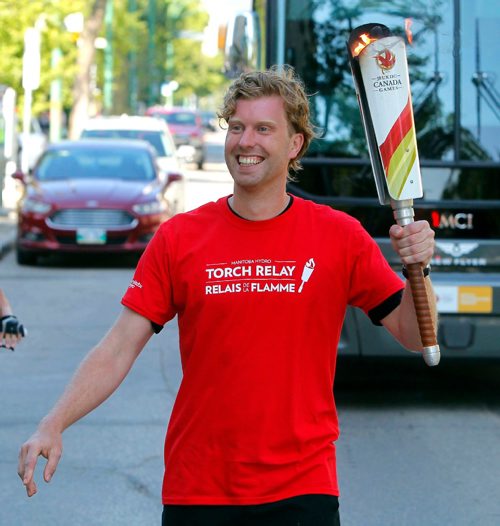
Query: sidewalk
(7,231)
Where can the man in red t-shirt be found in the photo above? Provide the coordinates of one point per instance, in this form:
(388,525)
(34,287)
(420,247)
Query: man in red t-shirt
(259,282)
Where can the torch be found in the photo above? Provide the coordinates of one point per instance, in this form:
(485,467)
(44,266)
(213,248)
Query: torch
(306,273)
(380,71)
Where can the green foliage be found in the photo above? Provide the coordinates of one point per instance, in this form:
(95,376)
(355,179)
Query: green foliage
(142,59)
(175,53)
(48,15)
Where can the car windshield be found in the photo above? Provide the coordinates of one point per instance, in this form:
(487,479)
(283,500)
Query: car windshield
(208,117)
(89,163)
(163,147)
(181,118)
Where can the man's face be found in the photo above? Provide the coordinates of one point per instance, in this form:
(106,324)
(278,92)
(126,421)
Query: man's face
(259,144)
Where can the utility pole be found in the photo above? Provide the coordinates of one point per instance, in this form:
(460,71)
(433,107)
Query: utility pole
(108,59)
(55,99)
(132,72)
(152,52)
(31,81)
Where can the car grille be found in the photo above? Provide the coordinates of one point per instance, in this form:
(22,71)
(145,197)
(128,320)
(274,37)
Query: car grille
(71,240)
(100,218)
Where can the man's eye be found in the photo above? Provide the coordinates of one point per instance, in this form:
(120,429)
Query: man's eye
(264,129)
(235,128)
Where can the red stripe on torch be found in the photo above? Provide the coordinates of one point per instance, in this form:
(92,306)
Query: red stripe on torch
(398,131)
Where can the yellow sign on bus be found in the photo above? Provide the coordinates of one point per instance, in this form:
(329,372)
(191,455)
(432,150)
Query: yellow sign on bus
(464,299)
(475,299)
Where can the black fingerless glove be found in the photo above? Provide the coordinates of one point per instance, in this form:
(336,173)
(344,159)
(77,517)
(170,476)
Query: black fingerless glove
(10,325)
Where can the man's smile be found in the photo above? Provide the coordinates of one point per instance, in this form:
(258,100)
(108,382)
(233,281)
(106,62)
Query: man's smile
(248,160)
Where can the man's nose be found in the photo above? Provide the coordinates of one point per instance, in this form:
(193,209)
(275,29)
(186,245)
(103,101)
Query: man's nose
(247,138)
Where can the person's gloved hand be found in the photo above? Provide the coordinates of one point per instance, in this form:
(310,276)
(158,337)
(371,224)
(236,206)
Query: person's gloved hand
(11,331)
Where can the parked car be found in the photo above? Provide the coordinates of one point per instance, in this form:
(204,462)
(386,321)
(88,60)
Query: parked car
(209,120)
(186,127)
(156,132)
(91,196)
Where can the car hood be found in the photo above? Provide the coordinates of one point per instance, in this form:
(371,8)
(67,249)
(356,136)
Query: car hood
(103,192)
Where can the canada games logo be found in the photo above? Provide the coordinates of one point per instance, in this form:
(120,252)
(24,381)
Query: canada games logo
(386,60)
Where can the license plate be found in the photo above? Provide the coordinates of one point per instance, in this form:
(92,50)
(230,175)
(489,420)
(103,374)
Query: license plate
(91,236)
(473,299)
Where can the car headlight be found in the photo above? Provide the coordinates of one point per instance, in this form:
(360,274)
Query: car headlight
(37,207)
(152,207)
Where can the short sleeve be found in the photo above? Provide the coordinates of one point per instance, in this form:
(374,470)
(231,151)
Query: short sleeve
(150,291)
(373,281)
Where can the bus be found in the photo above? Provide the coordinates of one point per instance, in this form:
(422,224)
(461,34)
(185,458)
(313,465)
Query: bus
(455,77)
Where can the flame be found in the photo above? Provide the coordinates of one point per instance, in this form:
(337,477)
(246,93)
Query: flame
(365,40)
(409,34)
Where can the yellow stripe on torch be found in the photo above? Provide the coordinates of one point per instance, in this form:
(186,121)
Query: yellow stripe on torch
(401,163)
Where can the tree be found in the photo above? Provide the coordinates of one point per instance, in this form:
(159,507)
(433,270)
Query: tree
(49,17)
(86,56)
(174,53)
(80,69)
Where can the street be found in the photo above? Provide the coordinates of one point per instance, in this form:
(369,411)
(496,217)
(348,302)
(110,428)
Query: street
(418,446)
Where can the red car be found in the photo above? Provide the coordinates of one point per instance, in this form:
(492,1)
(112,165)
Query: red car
(91,196)
(186,126)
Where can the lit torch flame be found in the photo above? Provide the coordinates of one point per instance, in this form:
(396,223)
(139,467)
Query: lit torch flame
(364,41)
(409,34)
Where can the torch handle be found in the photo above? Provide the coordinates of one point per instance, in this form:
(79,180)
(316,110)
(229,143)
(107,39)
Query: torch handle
(404,214)
(424,317)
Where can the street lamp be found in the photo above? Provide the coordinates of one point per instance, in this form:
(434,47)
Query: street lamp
(167,90)
(30,82)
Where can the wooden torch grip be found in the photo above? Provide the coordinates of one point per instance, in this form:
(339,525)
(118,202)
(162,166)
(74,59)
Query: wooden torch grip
(424,315)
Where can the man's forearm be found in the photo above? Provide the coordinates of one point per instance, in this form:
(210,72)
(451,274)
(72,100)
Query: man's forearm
(5,308)
(86,390)
(101,372)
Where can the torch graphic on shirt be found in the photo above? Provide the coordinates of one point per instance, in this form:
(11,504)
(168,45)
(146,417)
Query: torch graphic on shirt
(306,273)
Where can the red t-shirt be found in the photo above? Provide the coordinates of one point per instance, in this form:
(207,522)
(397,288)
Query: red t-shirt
(260,308)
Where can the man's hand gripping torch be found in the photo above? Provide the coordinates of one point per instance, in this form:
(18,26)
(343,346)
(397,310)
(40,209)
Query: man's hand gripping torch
(380,71)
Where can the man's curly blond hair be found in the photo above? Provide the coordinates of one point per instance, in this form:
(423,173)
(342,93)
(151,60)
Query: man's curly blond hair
(281,81)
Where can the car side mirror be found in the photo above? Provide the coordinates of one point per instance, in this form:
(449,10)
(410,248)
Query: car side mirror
(173,177)
(20,176)
(167,178)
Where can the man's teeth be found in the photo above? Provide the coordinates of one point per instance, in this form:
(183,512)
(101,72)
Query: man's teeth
(249,160)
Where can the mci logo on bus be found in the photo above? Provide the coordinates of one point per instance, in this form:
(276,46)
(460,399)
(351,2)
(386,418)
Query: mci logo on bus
(457,221)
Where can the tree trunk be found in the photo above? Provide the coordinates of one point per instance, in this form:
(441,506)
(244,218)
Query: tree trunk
(86,55)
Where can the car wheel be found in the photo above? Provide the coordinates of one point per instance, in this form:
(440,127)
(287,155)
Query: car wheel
(25,257)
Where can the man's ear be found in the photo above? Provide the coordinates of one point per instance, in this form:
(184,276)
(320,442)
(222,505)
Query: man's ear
(296,144)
